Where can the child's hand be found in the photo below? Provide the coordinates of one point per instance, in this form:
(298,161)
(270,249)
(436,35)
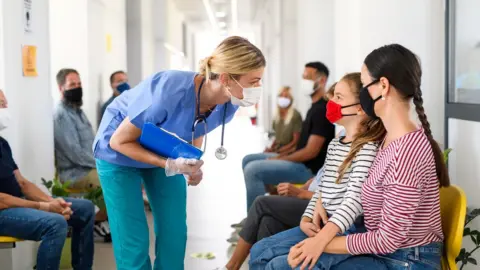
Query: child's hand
(308,227)
(320,214)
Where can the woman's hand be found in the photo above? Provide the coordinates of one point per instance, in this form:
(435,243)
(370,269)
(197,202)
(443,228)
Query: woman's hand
(194,178)
(182,166)
(320,214)
(309,228)
(308,251)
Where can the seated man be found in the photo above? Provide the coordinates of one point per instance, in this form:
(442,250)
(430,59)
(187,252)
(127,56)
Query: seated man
(28,213)
(74,137)
(301,165)
(119,84)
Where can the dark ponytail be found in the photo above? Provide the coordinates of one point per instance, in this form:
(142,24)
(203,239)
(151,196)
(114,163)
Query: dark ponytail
(402,69)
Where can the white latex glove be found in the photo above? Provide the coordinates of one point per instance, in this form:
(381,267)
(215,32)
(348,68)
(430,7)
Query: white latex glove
(182,166)
(194,179)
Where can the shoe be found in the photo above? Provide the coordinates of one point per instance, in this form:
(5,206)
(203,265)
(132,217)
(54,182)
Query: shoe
(233,239)
(102,232)
(239,225)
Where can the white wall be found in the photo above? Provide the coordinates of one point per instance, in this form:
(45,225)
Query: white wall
(316,39)
(422,32)
(116,56)
(31,132)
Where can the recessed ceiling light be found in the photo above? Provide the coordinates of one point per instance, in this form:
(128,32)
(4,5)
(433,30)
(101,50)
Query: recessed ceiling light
(220,14)
(222,24)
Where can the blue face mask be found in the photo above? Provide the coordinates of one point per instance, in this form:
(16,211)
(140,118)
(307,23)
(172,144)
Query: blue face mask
(123,87)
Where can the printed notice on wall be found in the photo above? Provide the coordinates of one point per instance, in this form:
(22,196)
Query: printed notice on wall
(29,61)
(27,15)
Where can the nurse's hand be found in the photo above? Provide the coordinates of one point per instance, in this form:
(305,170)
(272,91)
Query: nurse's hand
(182,166)
(194,178)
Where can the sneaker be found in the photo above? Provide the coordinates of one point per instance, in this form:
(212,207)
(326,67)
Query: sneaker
(233,239)
(102,232)
(239,225)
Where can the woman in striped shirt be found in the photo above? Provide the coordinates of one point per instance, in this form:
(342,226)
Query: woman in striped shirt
(400,198)
(346,167)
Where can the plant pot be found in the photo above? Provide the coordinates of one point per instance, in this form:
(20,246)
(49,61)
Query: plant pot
(66,259)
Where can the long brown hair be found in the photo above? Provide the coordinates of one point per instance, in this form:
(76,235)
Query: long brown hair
(402,69)
(370,130)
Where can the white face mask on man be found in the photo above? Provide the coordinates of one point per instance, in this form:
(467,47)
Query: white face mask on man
(307,86)
(4,118)
(251,96)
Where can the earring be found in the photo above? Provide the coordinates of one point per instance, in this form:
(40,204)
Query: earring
(383,98)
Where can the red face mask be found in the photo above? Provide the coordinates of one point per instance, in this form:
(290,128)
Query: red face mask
(334,111)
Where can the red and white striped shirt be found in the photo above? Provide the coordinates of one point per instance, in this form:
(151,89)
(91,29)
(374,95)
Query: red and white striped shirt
(400,198)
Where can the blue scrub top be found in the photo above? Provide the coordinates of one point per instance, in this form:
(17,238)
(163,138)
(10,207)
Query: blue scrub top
(166,99)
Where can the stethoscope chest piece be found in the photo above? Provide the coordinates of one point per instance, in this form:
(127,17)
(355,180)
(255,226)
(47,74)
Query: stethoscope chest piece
(221,153)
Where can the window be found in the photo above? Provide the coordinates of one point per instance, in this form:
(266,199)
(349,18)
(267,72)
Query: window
(462,84)
(464,52)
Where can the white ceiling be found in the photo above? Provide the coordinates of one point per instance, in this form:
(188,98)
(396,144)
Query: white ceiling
(195,11)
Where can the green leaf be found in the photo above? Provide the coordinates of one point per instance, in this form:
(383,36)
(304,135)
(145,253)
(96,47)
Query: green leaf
(446,152)
(472,261)
(461,255)
(466,231)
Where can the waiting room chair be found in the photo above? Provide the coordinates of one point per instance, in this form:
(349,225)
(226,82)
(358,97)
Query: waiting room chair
(453,208)
(8,242)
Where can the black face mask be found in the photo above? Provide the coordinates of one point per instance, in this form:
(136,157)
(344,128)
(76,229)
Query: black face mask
(367,102)
(73,96)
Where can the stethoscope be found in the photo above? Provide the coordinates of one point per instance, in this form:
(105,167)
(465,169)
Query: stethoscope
(221,152)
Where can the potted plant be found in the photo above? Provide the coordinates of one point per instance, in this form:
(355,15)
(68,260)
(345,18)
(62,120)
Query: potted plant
(58,189)
(466,257)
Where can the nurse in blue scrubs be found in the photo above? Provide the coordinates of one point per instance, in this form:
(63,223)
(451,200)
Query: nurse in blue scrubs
(175,101)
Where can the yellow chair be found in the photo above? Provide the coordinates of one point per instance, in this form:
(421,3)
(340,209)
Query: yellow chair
(453,207)
(8,242)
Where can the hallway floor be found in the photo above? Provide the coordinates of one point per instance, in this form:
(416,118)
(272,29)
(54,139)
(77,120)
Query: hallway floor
(213,205)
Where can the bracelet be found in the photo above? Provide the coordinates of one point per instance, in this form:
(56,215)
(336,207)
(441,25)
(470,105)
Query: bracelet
(44,206)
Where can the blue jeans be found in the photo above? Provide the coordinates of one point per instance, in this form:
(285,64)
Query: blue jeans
(51,229)
(426,257)
(272,252)
(122,190)
(259,172)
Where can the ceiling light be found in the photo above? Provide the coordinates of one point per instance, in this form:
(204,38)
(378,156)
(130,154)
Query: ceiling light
(234,6)
(220,14)
(222,24)
(210,14)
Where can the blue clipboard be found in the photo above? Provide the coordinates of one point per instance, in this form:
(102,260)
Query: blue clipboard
(167,144)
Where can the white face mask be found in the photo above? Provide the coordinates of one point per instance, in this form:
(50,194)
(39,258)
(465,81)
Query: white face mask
(4,118)
(283,102)
(251,96)
(307,86)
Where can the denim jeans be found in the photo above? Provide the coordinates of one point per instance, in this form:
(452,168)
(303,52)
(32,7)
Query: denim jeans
(426,257)
(258,171)
(51,229)
(272,252)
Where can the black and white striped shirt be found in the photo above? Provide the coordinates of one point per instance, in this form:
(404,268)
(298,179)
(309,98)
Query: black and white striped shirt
(342,201)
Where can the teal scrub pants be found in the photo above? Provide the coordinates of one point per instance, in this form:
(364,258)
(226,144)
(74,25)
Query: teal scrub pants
(122,190)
